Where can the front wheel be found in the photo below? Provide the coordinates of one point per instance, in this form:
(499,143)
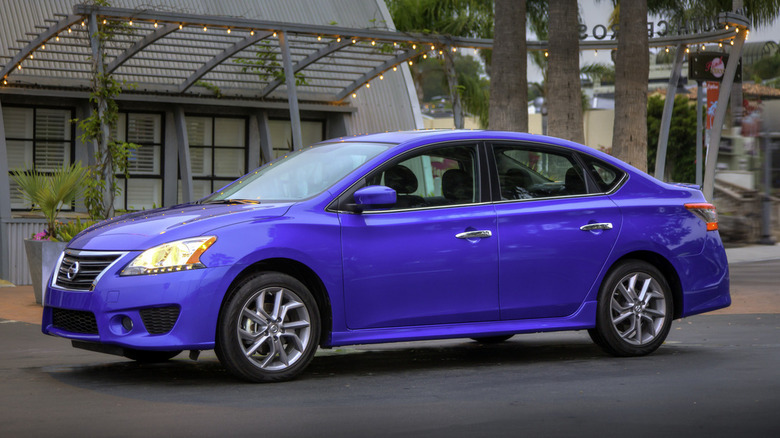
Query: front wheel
(268,329)
(634,311)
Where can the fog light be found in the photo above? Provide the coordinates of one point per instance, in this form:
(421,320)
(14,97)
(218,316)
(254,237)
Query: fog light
(127,323)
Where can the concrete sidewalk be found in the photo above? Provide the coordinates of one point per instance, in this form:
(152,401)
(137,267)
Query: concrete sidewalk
(17,303)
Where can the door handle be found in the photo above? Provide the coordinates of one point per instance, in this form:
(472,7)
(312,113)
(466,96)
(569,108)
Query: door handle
(598,226)
(474,234)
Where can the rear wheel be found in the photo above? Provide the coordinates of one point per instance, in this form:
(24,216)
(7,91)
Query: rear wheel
(268,329)
(635,310)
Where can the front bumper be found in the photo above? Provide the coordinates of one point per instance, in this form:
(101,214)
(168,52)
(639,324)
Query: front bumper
(171,311)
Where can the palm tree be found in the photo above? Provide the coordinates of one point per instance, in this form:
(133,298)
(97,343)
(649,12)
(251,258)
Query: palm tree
(466,18)
(563,73)
(509,81)
(632,68)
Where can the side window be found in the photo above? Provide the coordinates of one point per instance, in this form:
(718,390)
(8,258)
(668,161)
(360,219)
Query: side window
(606,176)
(530,173)
(435,177)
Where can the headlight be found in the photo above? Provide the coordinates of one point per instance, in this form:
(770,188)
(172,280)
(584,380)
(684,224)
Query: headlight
(180,255)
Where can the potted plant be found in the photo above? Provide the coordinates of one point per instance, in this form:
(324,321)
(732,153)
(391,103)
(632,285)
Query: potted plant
(48,193)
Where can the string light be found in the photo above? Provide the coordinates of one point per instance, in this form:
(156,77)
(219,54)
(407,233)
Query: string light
(687,50)
(354,95)
(720,44)
(667,50)
(181,26)
(319,38)
(736,30)
(441,52)
(414,46)
(368,85)
(70,30)
(727,27)
(395,68)
(83,24)
(338,40)
(131,22)
(205,29)
(703,47)
(354,40)
(425,56)
(32,56)
(381,77)
(57,38)
(373,43)
(731,42)
(410,62)
(104,21)
(274,34)
(252,32)
(43,47)
(19,67)
(155,25)
(228,31)
(546,54)
(454,49)
(5,82)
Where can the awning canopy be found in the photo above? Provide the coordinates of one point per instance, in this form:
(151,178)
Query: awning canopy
(168,53)
(182,54)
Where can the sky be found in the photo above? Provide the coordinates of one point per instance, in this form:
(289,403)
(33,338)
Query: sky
(597,12)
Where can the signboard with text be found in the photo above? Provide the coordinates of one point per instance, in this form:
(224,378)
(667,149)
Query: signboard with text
(710,67)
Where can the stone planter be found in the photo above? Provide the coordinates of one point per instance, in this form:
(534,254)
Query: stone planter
(42,255)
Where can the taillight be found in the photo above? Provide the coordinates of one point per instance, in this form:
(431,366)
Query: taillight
(705,212)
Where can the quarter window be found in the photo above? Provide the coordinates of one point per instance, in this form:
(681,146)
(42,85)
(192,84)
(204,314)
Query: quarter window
(606,176)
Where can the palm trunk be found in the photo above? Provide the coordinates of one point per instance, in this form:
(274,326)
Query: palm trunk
(452,82)
(564,94)
(632,66)
(509,81)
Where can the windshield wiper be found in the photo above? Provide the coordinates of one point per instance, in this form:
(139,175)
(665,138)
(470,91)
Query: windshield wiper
(230,201)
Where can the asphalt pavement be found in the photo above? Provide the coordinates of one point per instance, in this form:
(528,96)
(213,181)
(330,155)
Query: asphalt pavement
(717,375)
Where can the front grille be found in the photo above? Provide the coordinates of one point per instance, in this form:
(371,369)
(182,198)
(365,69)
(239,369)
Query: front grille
(160,320)
(79,269)
(74,321)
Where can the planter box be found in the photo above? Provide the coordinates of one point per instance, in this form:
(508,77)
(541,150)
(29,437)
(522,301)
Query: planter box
(42,256)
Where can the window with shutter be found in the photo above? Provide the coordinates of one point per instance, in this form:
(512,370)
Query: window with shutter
(143,188)
(38,138)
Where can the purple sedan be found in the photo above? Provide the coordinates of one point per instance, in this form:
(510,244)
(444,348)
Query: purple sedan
(396,237)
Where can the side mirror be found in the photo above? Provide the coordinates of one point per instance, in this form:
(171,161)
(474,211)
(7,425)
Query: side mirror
(373,196)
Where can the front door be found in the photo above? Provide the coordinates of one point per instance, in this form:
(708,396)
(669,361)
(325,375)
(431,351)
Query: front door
(421,261)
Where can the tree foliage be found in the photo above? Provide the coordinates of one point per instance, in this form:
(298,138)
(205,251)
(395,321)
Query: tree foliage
(681,149)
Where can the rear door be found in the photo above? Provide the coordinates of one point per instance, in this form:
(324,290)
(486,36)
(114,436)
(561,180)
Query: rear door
(555,230)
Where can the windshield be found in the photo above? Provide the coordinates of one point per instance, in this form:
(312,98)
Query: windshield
(300,174)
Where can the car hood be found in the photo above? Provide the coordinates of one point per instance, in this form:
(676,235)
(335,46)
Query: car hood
(145,229)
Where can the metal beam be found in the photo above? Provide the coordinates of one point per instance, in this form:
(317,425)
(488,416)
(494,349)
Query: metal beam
(305,62)
(140,45)
(185,165)
(699,128)
(170,161)
(5,202)
(666,118)
(720,115)
(227,53)
(37,42)
(375,72)
(292,94)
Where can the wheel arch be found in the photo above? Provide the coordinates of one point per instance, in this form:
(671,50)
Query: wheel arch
(666,268)
(300,272)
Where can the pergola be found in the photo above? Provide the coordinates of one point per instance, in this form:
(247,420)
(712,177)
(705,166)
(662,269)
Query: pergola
(175,57)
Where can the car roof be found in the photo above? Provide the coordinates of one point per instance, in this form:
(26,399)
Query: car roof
(404,139)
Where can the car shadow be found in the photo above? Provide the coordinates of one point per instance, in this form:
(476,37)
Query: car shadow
(388,360)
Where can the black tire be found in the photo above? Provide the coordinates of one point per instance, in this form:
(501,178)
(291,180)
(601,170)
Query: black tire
(492,339)
(148,356)
(630,322)
(272,343)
